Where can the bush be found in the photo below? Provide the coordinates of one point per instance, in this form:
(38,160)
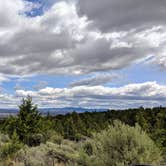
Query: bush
(9,147)
(47,154)
(56,138)
(4,138)
(122,145)
(35,139)
(88,148)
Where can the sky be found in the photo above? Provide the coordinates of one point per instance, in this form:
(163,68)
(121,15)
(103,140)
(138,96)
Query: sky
(81,53)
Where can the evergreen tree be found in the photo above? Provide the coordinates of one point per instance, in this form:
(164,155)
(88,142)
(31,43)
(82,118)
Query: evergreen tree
(28,121)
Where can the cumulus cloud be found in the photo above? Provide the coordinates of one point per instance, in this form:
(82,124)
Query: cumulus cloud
(146,94)
(61,42)
(8,101)
(3,78)
(100,96)
(37,44)
(123,15)
(9,13)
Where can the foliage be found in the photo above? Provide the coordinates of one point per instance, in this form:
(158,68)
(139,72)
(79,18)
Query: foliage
(153,121)
(8,146)
(28,124)
(68,134)
(123,145)
(55,138)
(47,154)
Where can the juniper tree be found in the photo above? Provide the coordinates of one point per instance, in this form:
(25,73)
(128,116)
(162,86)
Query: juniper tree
(28,122)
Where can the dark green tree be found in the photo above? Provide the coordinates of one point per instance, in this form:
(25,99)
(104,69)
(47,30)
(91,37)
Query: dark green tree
(29,121)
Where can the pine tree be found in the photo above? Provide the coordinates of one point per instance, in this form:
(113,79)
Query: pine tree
(28,121)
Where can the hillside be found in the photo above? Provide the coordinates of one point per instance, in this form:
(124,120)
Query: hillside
(73,139)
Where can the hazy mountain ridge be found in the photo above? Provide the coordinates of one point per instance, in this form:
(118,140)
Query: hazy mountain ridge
(4,112)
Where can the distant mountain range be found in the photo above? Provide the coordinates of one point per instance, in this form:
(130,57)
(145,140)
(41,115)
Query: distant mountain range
(52,111)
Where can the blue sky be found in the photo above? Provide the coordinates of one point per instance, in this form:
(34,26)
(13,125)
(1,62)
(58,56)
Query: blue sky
(133,74)
(83,53)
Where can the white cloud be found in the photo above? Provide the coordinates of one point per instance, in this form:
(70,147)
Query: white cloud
(9,11)
(100,96)
(3,78)
(146,94)
(61,42)
(83,38)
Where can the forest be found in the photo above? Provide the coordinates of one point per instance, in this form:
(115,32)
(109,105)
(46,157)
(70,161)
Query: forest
(110,138)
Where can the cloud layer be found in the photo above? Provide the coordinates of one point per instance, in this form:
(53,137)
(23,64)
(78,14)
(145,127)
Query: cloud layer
(61,41)
(123,15)
(149,93)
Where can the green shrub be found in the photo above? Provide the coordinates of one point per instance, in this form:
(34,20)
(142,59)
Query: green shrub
(4,138)
(88,148)
(56,138)
(122,145)
(34,139)
(47,154)
(9,147)
(85,159)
